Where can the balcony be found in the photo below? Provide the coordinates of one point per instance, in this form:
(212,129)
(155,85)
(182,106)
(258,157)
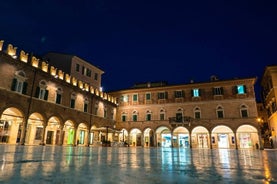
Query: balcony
(182,120)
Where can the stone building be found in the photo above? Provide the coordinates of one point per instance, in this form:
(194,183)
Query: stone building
(212,114)
(41,104)
(269,94)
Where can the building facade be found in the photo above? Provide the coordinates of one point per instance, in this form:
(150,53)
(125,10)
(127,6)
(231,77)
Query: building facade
(269,94)
(213,114)
(41,104)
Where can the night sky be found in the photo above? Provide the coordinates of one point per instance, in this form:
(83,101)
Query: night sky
(141,41)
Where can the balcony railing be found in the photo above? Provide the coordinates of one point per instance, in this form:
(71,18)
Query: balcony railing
(181,120)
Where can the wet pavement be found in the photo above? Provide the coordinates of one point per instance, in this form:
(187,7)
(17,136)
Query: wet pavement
(57,164)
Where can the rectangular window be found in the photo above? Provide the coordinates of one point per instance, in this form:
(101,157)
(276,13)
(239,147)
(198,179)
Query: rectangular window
(135,97)
(88,73)
(179,94)
(241,89)
(83,70)
(195,93)
(218,91)
(96,76)
(124,98)
(148,96)
(162,95)
(77,67)
(219,114)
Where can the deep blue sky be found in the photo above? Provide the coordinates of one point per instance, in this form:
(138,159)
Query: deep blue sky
(140,41)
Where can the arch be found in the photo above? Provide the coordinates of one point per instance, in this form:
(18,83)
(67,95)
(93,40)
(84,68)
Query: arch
(68,133)
(181,137)
(163,135)
(53,131)
(148,137)
(247,136)
(200,137)
(10,125)
(35,129)
(223,137)
(135,137)
(82,134)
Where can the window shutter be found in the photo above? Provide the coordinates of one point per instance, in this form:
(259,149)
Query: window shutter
(46,95)
(191,92)
(37,92)
(14,82)
(235,90)
(183,93)
(200,92)
(58,99)
(222,91)
(165,95)
(24,90)
(244,89)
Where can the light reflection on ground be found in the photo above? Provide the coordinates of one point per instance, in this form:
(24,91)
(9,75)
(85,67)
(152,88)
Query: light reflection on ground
(57,164)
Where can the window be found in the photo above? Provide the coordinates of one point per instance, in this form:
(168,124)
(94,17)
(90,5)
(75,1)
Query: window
(218,91)
(96,76)
(179,115)
(179,94)
(124,98)
(219,112)
(135,97)
(59,96)
(83,70)
(240,89)
(123,117)
(197,113)
(18,84)
(96,107)
(243,111)
(72,100)
(41,92)
(77,67)
(274,107)
(88,73)
(135,116)
(195,92)
(148,96)
(148,115)
(86,105)
(162,114)
(162,95)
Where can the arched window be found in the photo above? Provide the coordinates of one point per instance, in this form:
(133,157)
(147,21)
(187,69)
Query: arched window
(59,92)
(220,112)
(19,83)
(41,90)
(162,114)
(148,115)
(72,100)
(124,116)
(197,113)
(86,102)
(96,107)
(135,116)
(243,111)
(179,115)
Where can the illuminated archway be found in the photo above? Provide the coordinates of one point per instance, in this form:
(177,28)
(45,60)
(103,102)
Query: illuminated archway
(34,129)
(11,125)
(68,133)
(247,136)
(223,137)
(181,137)
(135,137)
(82,133)
(200,137)
(163,135)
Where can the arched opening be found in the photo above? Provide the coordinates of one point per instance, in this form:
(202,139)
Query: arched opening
(82,134)
(68,133)
(135,137)
(148,137)
(247,136)
(11,126)
(163,137)
(181,137)
(200,137)
(223,137)
(52,133)
(34,129)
